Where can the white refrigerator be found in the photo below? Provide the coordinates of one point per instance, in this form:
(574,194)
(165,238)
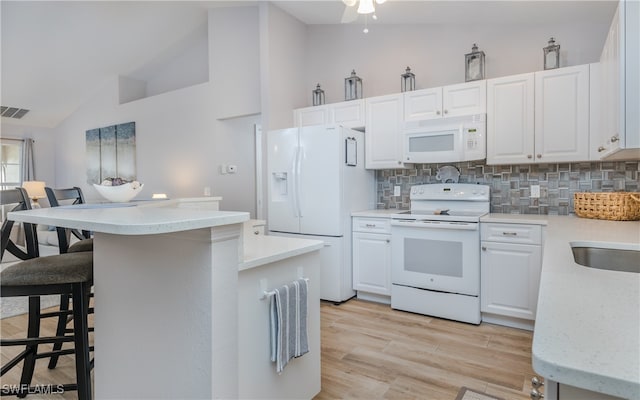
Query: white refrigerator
(316,179)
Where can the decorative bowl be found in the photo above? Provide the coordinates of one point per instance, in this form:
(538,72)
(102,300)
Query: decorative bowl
(118,194)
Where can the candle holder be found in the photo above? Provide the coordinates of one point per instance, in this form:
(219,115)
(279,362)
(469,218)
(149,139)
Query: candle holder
(408,81)
(551,55)
(352,87)
(318,96)
(474,65)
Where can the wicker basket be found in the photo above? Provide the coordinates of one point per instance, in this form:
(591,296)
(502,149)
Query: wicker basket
(615,206)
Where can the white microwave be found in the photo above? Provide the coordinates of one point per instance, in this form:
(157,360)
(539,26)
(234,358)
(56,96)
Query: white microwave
(449,139)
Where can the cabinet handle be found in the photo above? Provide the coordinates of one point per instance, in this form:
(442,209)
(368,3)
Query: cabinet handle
(509,233)
(371,225)
(438,112)
(529,156)
(535,394)
(536,382)
(446,112)
(400,162)
(539,155)
(614,138)
(484,248)
(388,240)
(601,149)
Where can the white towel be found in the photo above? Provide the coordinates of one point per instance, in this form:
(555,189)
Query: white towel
(288,323)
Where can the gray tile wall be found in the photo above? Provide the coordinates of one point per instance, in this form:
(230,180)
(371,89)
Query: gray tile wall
(510,184)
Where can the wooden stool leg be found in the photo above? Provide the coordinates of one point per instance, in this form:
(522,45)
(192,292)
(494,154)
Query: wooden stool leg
(33,331)
(60,330)
(81,339)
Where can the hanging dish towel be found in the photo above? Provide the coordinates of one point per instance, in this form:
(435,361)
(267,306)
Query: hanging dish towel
(288,323)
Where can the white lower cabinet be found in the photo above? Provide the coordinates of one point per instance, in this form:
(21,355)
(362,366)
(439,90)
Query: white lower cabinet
(372,258)
(511,259)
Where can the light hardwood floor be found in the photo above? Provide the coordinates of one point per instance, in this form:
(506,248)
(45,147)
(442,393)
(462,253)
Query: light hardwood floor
(371,351)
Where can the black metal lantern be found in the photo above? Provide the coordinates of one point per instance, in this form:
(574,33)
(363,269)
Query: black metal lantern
(408,81)
(318,96)
(352,87)
(474,65)
(551,55)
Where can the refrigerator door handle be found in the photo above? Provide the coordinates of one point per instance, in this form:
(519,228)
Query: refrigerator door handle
(294,183)
(297,174)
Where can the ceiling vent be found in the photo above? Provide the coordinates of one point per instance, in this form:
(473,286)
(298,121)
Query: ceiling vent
(13,112)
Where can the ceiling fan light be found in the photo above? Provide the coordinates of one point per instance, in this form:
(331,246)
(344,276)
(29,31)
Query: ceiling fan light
(366,7)
(349,3)
(380,1)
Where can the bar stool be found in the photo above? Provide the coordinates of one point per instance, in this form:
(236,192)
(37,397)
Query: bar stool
(68,274)
(71,196)
(58,197)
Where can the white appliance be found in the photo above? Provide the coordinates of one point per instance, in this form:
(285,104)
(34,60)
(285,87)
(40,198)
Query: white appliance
(448,139)
(316,179)
(435,251)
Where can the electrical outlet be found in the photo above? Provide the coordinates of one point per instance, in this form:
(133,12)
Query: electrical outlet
(396,190)
(535,191)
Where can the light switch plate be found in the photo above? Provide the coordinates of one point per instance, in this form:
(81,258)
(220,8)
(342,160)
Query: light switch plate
(535,191)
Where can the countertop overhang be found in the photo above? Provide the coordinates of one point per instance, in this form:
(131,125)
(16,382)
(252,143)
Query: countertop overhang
(130,218)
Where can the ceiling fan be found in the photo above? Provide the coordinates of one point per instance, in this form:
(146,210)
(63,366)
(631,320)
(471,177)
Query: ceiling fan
(364,7)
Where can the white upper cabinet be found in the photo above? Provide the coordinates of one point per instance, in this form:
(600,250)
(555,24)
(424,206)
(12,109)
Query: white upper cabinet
(562,114)
(618,94)
(447,101)
(317,115)
(539,117)
(347,113)
(510,125)
(383,136)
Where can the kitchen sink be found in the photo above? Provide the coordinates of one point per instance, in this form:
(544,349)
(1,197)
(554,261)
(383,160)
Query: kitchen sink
(602,257)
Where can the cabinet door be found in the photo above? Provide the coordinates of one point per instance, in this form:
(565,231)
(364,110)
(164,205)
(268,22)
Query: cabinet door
(423,104)
(610,90)
(349,113)
(510,111)
(383,139)
(510,278)
(372,263)
(318,115)
(464,99)
(562,114)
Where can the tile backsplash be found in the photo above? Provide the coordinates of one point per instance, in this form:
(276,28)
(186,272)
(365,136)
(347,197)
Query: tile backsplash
(510,184)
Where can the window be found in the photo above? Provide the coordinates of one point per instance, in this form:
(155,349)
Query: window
(10,163)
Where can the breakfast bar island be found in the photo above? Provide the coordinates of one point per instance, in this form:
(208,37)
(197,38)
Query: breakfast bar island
(166,281)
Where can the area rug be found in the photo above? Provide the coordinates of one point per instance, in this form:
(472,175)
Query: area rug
(470,394)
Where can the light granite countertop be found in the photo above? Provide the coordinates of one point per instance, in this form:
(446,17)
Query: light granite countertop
(381,213)
(587,330)
(262,249)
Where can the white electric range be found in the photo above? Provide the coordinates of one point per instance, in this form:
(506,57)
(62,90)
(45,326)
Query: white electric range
(435,251)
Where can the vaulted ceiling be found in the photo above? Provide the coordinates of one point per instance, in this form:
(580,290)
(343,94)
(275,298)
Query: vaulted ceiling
(56,54)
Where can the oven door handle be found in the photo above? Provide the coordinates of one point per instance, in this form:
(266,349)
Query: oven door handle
(462,226)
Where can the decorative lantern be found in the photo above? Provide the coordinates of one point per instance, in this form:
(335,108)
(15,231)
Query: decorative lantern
(408,81)
(551,55)
(318,96)
(352,87)
(474,65)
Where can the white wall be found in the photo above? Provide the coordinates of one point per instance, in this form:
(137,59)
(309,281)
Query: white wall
(283,49)
(435,53)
